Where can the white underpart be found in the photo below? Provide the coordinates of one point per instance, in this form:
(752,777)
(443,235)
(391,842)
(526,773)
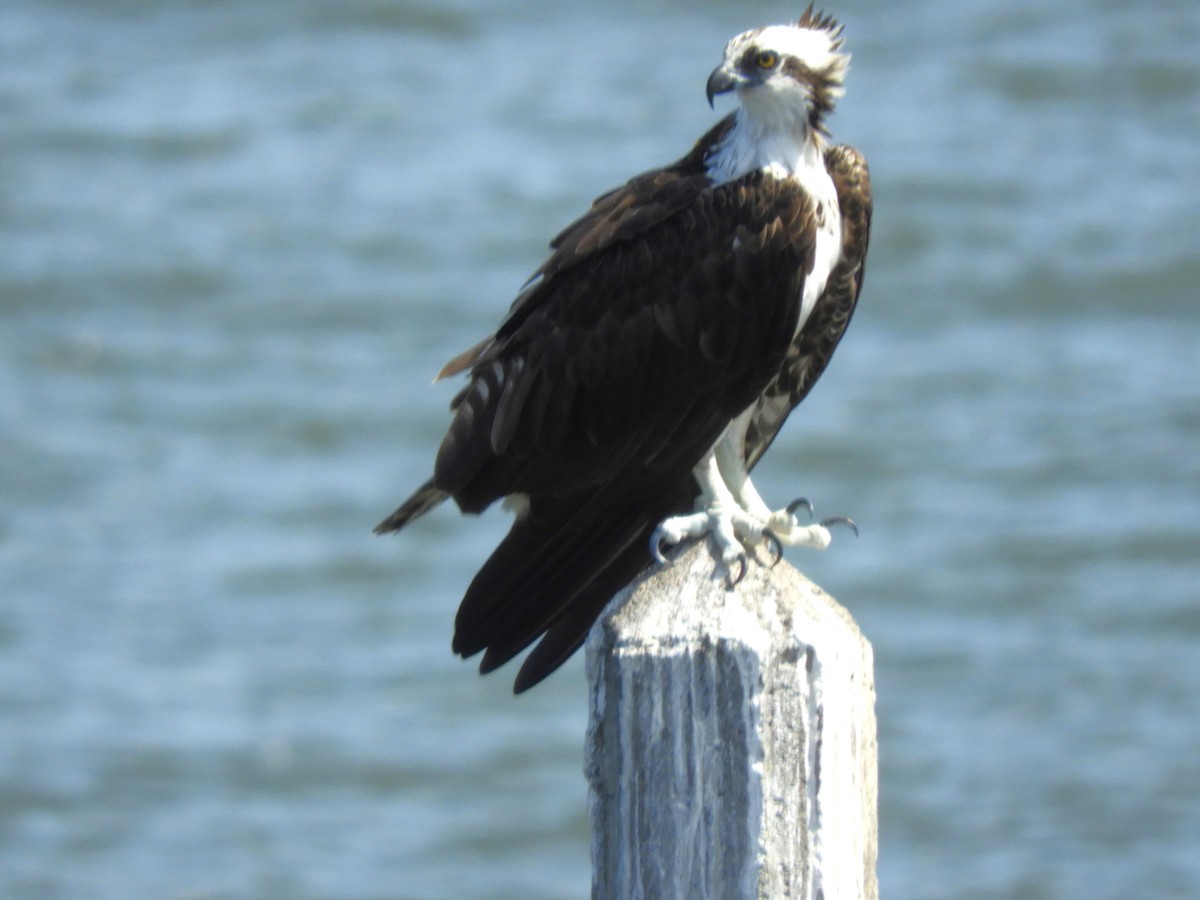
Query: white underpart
(771,133)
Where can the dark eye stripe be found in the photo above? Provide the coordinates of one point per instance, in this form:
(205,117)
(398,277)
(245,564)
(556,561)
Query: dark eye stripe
(754,60)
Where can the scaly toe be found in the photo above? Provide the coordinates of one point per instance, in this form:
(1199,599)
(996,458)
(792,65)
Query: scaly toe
(732,530)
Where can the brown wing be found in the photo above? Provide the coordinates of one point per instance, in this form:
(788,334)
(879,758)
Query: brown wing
(618,215)
(597,399)
(661,314)
(810,353)
(632,359)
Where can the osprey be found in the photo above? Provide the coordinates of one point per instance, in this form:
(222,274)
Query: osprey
(650,362)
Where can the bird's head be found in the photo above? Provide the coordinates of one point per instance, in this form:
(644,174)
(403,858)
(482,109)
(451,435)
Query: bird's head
(785,74)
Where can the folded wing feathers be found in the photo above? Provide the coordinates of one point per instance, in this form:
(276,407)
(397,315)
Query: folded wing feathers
(590,399)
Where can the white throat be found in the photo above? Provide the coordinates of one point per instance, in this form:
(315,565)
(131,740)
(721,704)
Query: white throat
(785,148)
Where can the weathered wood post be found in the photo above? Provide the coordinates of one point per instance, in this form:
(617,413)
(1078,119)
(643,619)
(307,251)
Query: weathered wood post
(731,749)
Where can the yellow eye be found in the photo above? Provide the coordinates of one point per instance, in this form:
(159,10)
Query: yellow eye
(768,59)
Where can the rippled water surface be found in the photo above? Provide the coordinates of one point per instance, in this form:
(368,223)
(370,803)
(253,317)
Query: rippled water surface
(238,238)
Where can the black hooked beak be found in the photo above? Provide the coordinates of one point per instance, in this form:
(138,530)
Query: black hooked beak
(721,81)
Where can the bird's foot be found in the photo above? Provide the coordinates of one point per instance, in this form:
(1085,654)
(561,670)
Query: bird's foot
(733,530)
(788,528)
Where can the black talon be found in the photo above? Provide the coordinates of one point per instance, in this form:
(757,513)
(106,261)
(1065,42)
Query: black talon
(841,520)
(734,582)
(776,544)
(656,549)
(799,502)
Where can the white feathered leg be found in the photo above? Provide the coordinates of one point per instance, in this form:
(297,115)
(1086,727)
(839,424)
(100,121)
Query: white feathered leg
(731,510)
(718,512)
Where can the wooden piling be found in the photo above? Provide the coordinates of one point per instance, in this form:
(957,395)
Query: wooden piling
(731,748)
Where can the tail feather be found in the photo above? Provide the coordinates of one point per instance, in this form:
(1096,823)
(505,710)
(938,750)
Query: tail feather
(552,575)
(424,498)
(568,633)
(555,591)
(547,558)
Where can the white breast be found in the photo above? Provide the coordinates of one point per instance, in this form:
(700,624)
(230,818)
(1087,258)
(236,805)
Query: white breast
(829,239)
(786,153)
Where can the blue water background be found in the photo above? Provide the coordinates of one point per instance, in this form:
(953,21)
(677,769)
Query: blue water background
(237,239)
